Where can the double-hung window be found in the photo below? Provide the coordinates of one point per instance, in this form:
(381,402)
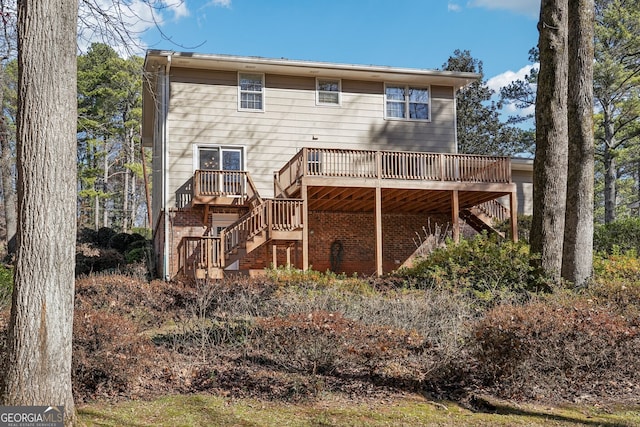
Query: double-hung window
(251,92)
(327,91)
(406,102)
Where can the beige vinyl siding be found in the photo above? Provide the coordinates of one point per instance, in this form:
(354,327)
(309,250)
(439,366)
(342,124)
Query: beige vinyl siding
(524,184)
(156,160)
(204,110)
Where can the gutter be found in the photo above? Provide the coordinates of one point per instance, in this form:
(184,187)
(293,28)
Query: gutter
(165,167)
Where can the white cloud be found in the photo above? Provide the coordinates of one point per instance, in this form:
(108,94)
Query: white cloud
(502,80)
(179,9)
(220,3)
(525,7)
(453,7)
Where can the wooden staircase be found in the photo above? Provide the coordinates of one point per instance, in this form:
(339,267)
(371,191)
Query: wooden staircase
(271,221)
(485,216)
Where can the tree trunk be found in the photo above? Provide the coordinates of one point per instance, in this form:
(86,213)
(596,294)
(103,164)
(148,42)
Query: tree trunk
(8,190)
(550,164)
(610,168)
(577,259)
(125,202)
(134,190)
(105,178)
(40,329)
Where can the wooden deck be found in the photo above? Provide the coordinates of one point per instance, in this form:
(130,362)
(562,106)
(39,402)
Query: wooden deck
(347,180)
(411,182)
(223,188)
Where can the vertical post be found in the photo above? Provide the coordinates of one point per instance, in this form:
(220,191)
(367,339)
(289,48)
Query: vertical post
(378,222)
(513,202)
(269,225)
(289,256)
(222,249)
(274,255)
(208,247)
(305,228)
(455,216)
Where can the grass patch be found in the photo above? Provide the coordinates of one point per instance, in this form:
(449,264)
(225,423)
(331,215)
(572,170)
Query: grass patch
(411,410)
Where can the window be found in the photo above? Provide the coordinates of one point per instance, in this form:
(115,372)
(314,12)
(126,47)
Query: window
(227,161)
(251,92)
(327,92)
(219,158)
(407,102)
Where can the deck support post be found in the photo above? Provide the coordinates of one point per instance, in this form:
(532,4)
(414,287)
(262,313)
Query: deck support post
(513,202)
(305,227)
(455,216)
(288,256)
(274,256)
(378,222)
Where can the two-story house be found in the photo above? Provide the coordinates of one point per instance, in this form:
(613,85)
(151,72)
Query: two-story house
(260,162)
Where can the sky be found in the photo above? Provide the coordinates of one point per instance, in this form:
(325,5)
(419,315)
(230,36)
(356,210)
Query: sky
(400,33)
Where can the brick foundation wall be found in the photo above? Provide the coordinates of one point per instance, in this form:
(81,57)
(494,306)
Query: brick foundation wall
(262,257)
(183,223)
(356,233)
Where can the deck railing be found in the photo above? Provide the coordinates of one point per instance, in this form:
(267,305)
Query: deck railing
(494,210)
(394,165)
(216,183)
(198,253)
(271,214)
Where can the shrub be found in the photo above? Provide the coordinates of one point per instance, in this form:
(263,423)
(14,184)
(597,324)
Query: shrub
(138,255)
(144,232)
(105,259)
(108,354)
(617,265)
(87,235)
(524,227)
(616,282)
(320,342)
(486,267)
(623,234)
(104,236)
(120,241)
(547,349)
(6,285)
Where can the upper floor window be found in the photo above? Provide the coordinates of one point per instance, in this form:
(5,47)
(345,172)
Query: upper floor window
(407,102)
(327,92)
(251,91)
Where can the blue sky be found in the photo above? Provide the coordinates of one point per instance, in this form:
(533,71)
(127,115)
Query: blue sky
(402,33)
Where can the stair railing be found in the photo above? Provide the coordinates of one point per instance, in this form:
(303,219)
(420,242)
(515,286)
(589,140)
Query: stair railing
(271,214)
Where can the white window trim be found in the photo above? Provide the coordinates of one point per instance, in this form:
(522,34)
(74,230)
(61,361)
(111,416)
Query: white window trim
(326,104)
(253,110)
(196,153)
(406,102)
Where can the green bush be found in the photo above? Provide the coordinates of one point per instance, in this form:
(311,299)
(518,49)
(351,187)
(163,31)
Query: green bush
(524,227)
(137,244)
(490,269)
(120,242)
(104,235)
(6,285)
(144,232)
(137,255)
(623,234)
